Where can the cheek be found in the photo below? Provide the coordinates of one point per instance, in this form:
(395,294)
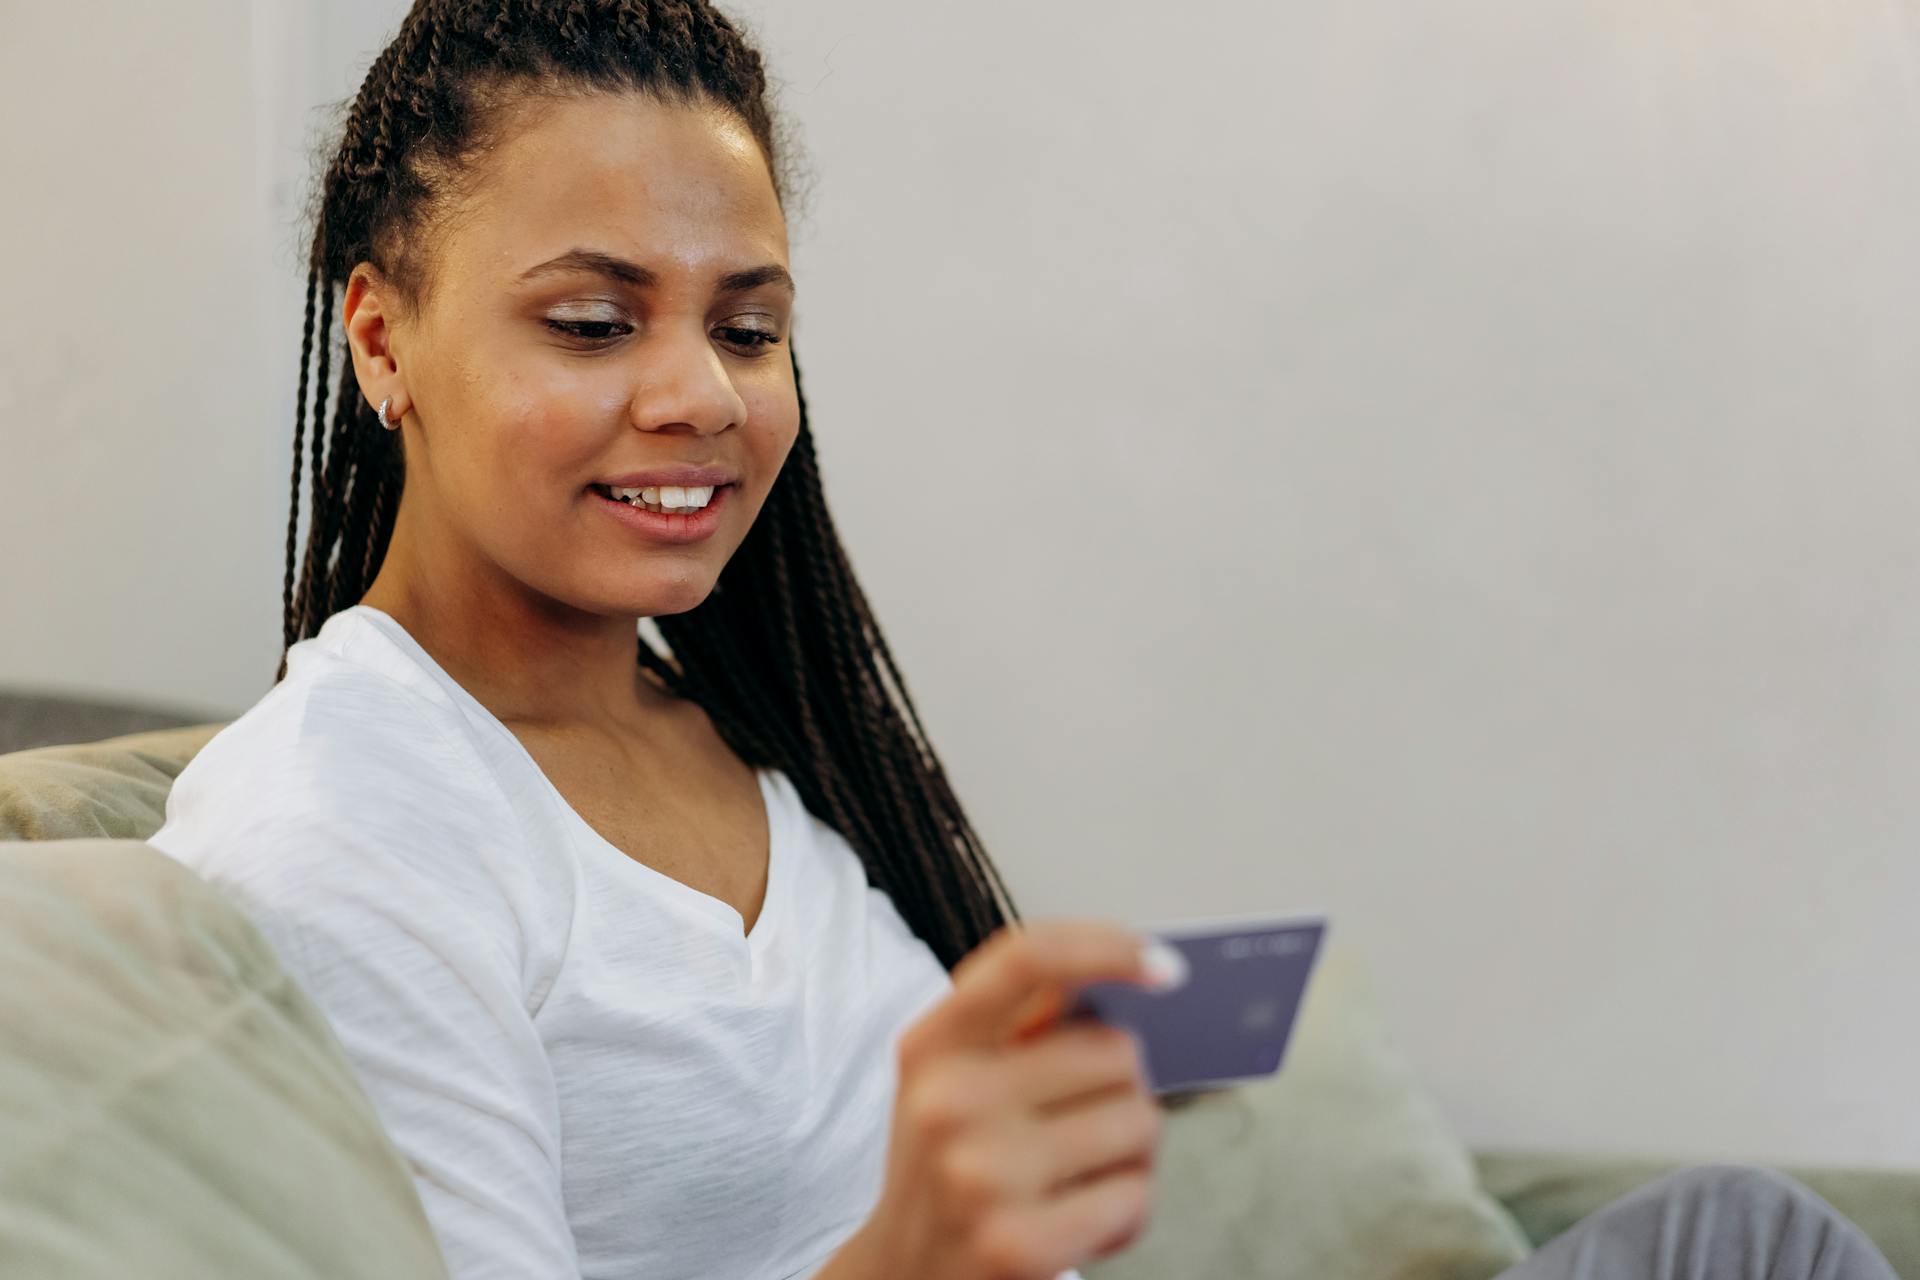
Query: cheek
(772,427)
(547,427)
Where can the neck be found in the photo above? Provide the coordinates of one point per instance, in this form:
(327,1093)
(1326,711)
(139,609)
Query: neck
(527,658)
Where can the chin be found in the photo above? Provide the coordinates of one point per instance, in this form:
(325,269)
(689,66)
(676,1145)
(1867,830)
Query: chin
(669,595)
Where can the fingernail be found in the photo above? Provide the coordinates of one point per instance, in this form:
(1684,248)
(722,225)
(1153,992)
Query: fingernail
(1166,966)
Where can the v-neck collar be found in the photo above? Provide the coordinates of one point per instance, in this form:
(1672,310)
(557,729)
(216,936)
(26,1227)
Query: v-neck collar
(772,794)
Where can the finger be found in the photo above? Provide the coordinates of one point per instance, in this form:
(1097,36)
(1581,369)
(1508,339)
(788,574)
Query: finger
(1037,1012)
(1024,1160)
(1072,1061)
(1022,971)
(1126,1236)
(1047,1237)
(1119,1130)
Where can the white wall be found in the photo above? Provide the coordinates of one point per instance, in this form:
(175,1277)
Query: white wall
(1451,464)
(141,466)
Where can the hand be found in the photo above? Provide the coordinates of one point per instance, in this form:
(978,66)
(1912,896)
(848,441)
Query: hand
(1021,1145)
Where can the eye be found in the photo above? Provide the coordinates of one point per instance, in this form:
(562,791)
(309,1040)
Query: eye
(756,338)
(589,322)
(591,331)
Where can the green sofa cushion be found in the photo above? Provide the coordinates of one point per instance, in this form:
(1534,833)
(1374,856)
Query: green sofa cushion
(116,788)
(171,1105)
(1340,1167)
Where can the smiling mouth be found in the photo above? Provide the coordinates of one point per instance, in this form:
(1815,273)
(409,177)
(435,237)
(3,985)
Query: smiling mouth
(663,499)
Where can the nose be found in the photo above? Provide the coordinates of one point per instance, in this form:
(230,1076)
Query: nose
(684,384)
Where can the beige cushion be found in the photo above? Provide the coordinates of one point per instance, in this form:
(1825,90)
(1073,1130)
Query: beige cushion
(116,788)
(1340,1167)
(171,1105)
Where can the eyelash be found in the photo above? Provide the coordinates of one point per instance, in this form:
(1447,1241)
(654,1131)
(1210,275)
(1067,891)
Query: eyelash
(572,328)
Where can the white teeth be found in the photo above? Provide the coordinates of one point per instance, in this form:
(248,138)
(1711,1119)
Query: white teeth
(666,497)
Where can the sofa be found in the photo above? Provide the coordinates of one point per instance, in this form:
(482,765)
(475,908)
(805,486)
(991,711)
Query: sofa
(171,1104)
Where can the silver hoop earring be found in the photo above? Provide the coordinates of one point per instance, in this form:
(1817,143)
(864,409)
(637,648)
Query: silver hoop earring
(381,413)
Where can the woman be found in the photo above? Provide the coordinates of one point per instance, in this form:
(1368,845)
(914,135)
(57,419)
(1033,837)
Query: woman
(655,962)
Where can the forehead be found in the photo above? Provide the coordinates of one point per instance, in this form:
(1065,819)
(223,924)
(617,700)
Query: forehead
(673,187)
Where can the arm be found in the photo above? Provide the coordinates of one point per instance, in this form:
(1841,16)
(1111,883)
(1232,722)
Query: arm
(437,1036)
(388,878)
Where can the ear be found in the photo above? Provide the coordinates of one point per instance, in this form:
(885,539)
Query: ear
(367,313)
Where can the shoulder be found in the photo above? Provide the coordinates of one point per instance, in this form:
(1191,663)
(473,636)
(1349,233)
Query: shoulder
(338,748)
(350,802)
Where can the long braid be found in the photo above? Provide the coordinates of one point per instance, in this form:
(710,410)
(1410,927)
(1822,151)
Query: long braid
(343,477)
(784,655)
(378,527)
(299,438)
(318,507)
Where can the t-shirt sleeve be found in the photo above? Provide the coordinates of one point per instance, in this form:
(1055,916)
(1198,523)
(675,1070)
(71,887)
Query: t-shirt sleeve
(378,869)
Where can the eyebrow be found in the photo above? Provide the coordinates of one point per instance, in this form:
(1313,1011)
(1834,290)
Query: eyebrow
(632,273)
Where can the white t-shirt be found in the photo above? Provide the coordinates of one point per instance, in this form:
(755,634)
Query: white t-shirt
(588,1065)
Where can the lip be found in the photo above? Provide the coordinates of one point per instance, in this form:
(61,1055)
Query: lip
(680,475)
(677,529)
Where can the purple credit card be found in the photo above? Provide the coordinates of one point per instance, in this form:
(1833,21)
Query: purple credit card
(1230,1017)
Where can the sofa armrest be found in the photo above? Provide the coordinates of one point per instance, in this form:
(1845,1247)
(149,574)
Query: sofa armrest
(1549,1191)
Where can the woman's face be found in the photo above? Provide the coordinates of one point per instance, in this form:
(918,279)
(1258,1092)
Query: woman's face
(611,298)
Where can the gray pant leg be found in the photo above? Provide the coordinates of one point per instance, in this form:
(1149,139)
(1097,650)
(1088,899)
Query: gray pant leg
(1715,1222)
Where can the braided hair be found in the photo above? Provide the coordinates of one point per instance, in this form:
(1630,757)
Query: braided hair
(784,654)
